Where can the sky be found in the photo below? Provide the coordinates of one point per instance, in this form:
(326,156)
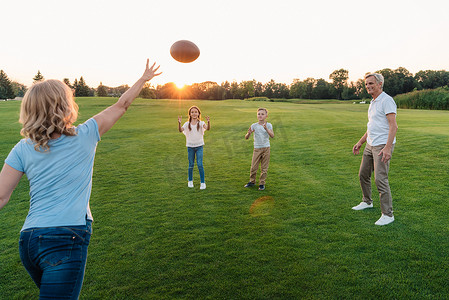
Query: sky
(109,41)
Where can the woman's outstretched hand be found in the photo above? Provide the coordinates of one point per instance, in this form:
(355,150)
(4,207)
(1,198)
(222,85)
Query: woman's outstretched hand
(150,72)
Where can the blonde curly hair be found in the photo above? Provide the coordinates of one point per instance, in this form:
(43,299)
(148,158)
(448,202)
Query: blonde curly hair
(48,107)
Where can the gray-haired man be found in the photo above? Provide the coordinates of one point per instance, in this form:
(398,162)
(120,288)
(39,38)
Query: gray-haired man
(380,138)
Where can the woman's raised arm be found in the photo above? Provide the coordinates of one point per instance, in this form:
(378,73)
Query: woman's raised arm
(107,118)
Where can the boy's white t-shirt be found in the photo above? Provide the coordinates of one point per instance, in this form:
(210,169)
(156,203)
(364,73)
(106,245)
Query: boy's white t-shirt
(261,137)
(194,137)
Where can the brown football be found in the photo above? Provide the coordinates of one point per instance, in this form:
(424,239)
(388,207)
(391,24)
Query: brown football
(184,51)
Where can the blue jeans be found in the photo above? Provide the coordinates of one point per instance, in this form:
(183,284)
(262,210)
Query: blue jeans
(55,258)
(191,152)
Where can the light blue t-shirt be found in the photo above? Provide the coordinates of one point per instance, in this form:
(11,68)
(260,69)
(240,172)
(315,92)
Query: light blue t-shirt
(60,179)
(261,137)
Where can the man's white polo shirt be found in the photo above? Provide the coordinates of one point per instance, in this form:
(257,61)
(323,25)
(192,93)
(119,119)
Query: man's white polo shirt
(378,126)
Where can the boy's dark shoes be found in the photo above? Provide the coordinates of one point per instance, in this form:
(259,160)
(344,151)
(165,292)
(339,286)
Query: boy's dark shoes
(261,187)
(249,184)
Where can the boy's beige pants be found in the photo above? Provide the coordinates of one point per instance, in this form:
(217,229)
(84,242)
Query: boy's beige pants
(262,156)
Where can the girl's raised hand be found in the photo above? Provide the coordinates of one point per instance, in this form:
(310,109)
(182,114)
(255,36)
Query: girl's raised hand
(207,118)
(179,119)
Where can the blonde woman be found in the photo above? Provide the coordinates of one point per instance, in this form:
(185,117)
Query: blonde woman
(58,161)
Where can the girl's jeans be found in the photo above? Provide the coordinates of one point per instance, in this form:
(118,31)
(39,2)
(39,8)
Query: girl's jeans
(55,258)
(191,152)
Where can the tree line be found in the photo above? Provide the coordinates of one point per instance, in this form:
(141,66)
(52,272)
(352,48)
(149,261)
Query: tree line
(398,81)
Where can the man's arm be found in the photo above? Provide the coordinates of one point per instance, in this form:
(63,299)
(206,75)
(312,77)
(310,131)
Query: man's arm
(386,151)
(356,148)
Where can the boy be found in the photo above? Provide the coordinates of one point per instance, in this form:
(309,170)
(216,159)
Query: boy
(262,133)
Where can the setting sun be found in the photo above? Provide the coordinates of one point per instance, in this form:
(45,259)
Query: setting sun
(180,85)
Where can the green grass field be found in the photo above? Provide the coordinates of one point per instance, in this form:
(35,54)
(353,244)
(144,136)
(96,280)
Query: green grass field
(299,239)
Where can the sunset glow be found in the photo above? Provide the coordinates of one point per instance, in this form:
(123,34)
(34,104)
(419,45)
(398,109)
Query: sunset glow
(180,85)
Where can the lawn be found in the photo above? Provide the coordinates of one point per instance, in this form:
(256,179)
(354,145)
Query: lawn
(154,238)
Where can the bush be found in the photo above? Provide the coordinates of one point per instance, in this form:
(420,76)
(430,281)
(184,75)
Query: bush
(258,99)
(425,99)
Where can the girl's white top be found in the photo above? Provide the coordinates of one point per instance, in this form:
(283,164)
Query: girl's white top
(194,137)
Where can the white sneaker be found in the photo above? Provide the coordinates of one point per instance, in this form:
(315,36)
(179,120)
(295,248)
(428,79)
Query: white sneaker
(362,206)
(202,186)
(384,220)
(190,184)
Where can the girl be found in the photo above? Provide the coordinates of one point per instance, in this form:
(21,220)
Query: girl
(194,131)
(58,159)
